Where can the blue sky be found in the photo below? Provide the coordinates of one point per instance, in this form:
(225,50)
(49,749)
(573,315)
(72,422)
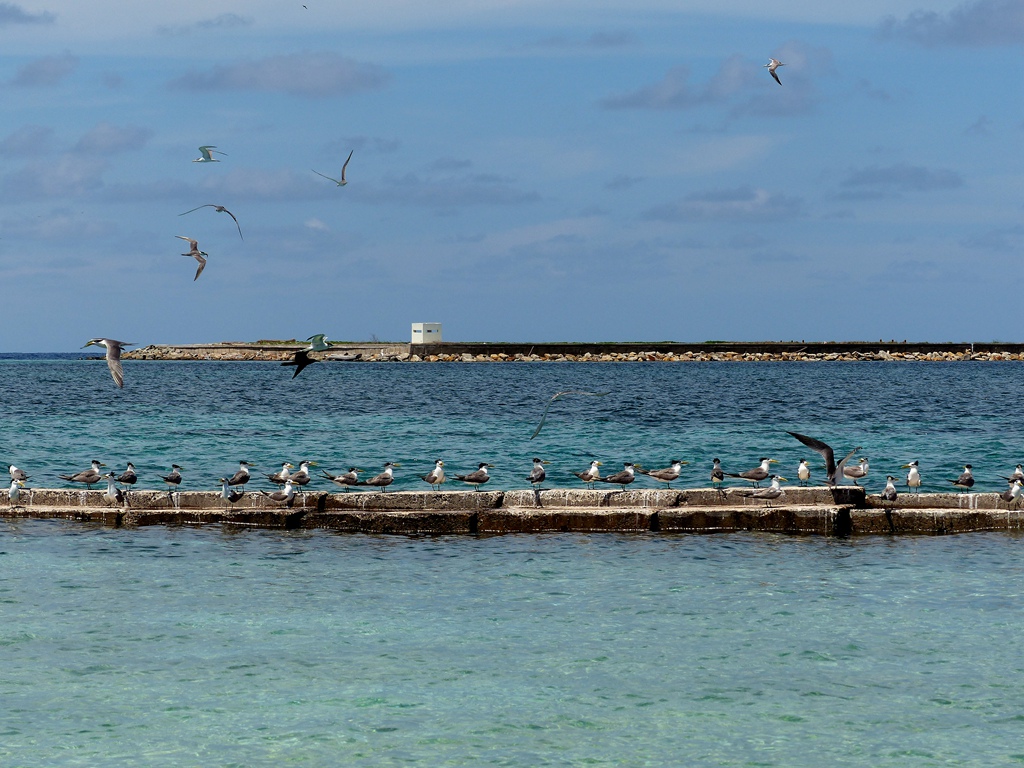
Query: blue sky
(527,171)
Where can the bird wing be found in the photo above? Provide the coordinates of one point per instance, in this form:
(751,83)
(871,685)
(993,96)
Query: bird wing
(208,205)
(325,176)
(202,265)
(837,476)
(229,213)
(558,396)
(820,447)
(114,363)
(773,74)
(189,240)
(346,165)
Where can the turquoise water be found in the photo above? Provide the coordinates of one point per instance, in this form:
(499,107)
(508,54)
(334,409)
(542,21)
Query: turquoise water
(181,647)
(217,647)
(208,416)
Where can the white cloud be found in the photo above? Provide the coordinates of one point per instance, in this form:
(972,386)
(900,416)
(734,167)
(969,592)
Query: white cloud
(49,70)
(979,23)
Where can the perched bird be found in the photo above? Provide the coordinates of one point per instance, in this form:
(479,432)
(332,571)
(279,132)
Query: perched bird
(15,473)
(173,480)
(195,253)
(286,496)
(966,480)
(1012,494)
(538,473)
(340,182)
(301,476)
(772,65)
(590,475)
(279,478)
(757,474)
(665,475)
(89,476)
(113,348)
(857,471)
(913,476)
(889,494)
(14,492)
(717,475)
(1017,473)
(345,480)
(129,477)
(302,358)
(242,476)
(113,494)
(803,472)
(384,479)
(772,493)
(218,209)
(623,478)
(835,472)
(207,153)
(435,476)
(477,478)
(228,494)
(559,396)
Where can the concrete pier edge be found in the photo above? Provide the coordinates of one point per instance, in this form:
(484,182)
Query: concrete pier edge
(845,511)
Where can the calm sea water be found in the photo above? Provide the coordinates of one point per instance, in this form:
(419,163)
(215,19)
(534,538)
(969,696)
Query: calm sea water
(174,646)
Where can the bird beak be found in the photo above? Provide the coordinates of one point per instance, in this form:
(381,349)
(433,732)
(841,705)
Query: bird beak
(782,478)
(905,466)
(396,465)
(491,466)
(545,462)
(772,461)
(684,462)
(600,464)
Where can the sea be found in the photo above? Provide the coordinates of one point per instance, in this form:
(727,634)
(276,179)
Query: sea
(218,646)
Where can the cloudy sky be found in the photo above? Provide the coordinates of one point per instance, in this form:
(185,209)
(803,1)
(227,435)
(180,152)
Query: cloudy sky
(525,170)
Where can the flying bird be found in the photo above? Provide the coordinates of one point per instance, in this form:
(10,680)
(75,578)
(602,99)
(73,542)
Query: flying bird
(218,209)
(772,65)
(196,254)
(835,472)
(207,153)
(302,358)
(340,182)
(559,396)
(113,348)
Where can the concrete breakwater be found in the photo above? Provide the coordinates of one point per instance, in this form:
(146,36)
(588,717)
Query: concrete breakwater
(845,511)
(598,352)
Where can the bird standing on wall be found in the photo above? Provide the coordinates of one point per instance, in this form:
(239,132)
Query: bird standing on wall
(913,476)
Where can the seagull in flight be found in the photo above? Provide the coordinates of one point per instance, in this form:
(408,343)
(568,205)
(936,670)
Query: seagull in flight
(835,471)
(207,153)
(302,358)
(218,209)
(340,182)
(114,348)
(772,65)
(559,396)
(196,254)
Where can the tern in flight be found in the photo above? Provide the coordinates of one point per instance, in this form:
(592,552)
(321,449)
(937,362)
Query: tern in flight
(114,348)
(835,472)
(342,181)
(218,209)
(318,343)
(207,153)
(559,396)
(772,65)
(196,254)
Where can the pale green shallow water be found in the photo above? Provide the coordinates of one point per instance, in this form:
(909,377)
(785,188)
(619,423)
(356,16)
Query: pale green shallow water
(179,647)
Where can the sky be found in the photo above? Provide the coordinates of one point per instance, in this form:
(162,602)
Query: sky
(522,170)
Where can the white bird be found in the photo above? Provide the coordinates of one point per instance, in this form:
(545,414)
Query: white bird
(859,470)
(834,473)
(218,209)
(340,182)
(436,476)
(227,494)
(14,493)
(590,475)
(769,494)
(772,65)
(207,153)
(913,476)
(803,472)
(889,494)
(113,348)
(113,494)
(1012,494)
(287,496)
(196,254)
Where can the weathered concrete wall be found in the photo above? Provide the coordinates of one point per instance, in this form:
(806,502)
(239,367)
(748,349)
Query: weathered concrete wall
(819,511)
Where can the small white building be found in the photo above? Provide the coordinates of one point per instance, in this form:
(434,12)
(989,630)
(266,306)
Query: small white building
(426,333)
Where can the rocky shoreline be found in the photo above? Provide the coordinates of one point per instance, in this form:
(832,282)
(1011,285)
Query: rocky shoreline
(406,353)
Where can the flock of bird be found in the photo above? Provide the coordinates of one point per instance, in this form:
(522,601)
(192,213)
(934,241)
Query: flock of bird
(291,482)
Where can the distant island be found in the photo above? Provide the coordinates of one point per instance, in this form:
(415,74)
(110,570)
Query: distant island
(662,351)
